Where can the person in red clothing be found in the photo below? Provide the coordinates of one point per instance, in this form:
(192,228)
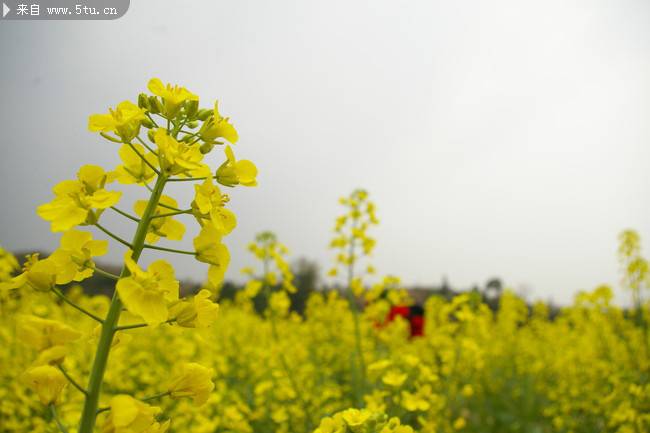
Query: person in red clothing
(413,314)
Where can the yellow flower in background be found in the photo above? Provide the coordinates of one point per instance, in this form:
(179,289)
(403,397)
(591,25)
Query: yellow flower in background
(331,425)
(8,264)
(133,169)
(357,286)
(178,158)
(200,312)
(75,199)
(233,172)
(172,95)
(42,334)
(356,417)
(218,127)
(161,226)
(73,258)
(279,303)
(125,121)
(47,382)
(459,423)
(394,378)
(209,203)
(147,293)
(252,288)
(192,380)
(51,356)
(128,415)
(418,401)
(37,274)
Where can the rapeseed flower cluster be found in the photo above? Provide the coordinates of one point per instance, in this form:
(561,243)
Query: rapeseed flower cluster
(191,364)
(178,136)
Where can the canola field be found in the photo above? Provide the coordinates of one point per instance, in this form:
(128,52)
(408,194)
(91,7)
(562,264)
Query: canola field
(148,360)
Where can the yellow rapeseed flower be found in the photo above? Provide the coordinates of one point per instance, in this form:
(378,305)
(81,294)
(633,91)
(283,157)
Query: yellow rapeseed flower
(172,95)
(47,382)
(75,200)
(125,121)
(74,256)
(178,158)
(161,226)
(209,204)
(192,380)
(200,312)
(233,172)
(37,274)
(218,127)
(133,169)
(42,334)
(128,415)
(147,293)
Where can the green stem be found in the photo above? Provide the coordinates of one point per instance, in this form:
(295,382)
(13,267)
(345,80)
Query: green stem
(156,396)
(166,206)
(72,381)
(114,236)
(128,215)
(169,250)
(89,414)
(106,274)
(187,179)
(178,212)
(56,419)
(145,160)
(67,300)
(146,145)
(139,325)
(152,121)
(361,366)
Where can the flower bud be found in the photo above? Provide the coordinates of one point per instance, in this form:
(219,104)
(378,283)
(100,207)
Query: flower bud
(226,175)
(143,101)
(191,108)
(155,105)
(193,124)
(147,123)
(206,148)
(150,135)
(204,113)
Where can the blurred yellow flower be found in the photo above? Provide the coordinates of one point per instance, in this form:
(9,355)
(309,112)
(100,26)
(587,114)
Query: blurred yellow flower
(47,382)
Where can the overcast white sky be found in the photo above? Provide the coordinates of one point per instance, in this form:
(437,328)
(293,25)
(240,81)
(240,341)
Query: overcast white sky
(498,138)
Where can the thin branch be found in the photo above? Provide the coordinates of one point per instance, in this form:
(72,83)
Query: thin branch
(110,138)
(170,250)
(146,161)
(152,121)
(72,381)
(146,145)
(156,396)
(114,236)
(106,274)
(128,215)
(169,207)
(188,179)
(58,422)
(73,305)
(139,325)
(103,409)
(178,212)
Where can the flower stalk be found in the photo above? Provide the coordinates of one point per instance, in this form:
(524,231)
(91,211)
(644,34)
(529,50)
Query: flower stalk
(89,414)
